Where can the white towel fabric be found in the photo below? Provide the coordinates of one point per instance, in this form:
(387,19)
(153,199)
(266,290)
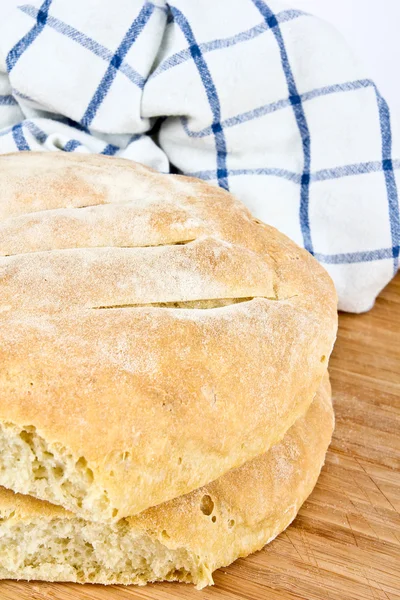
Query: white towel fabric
(261,99)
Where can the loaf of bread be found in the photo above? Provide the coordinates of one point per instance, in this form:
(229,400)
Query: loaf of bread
(153,336)
(184,539)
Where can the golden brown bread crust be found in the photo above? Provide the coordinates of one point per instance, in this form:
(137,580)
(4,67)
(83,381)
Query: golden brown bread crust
(263,493)
(156,400)
(212,526)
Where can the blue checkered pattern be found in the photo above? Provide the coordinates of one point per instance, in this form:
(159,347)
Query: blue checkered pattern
(260,99)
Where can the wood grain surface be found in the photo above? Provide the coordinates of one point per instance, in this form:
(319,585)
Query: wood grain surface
(345,542)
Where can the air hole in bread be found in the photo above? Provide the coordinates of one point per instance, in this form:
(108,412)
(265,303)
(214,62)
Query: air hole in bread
(58,472)
(213,519)
(206,505)
(231,523)
(178,575)
(81,465)
(81,462)
(323,358)
(39,471)
(27,437)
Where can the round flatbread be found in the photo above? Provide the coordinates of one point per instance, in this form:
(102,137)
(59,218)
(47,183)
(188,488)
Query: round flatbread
(153,334)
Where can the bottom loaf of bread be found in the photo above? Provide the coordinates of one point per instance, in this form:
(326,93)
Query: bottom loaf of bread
(184,539)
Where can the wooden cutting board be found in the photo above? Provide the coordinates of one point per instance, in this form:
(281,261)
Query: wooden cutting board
(345,543)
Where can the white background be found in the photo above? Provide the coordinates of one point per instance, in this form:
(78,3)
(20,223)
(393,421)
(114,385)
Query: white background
(372,29)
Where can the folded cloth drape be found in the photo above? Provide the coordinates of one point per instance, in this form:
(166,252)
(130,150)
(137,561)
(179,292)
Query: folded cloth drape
(251,95)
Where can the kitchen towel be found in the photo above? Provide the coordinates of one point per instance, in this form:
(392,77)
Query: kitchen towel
(251,95)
